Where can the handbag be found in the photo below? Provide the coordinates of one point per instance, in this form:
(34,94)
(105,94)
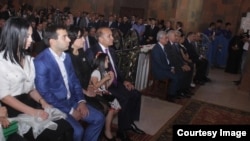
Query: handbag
(13,127)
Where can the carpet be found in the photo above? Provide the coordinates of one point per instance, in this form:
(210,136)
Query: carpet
(133,136)
(201,113)
(152,117)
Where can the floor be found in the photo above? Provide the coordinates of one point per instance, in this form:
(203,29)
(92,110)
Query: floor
(221,91)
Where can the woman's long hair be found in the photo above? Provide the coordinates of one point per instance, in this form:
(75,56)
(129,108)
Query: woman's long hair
(99,63)
(13,39)
(73,34)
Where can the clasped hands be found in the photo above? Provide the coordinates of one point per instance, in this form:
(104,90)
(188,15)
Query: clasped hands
(4,117)
(81,111)
(109,76)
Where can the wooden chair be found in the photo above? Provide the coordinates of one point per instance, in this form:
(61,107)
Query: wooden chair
(156,88)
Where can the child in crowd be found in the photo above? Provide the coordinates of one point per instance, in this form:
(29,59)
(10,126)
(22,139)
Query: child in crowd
(101,80)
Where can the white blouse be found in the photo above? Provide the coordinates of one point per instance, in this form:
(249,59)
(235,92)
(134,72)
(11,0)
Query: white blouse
(15,80)
(97,73)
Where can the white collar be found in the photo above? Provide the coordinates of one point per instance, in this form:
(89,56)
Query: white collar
(103,48)
(61,57)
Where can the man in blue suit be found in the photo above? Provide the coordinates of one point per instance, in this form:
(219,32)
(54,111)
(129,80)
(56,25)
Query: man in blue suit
(58,85)
(161,67)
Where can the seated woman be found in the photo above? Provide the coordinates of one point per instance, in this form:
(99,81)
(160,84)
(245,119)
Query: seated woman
(17,73)
(83,71)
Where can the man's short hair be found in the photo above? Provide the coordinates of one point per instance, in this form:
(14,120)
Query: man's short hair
(160,34)
(99,32)
(50,33)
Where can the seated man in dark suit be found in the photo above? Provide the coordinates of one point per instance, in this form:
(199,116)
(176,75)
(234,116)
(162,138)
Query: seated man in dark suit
(37,37)
(111,22)
(182,69)
(161,67)
(150,32)
(201,63)
(128,97)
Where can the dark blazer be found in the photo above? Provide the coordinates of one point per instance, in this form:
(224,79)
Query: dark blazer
(174,56)
(159,64)
(125,27)
(191,51)
(50,84)
(150,32)
(36,37)
(112,25)
(77,23)
(91,52)
(92,41)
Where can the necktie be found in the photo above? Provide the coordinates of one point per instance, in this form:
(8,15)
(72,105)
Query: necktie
(86,43)
(176,47)
(111,67)
(165,52)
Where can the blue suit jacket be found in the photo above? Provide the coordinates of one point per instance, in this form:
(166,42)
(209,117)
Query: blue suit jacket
(159,64)
(49,82)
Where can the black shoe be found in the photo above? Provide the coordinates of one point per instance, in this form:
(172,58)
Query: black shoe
(237,82)
(207,79)
(184,95)
(199,82)
(122,135)
(188,92)
(171,99)
(108,139)
(135,129)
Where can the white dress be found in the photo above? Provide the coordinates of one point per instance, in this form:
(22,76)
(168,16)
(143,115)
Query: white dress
(114,103)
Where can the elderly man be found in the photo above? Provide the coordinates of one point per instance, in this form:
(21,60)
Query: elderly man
(162,67)
(124,91)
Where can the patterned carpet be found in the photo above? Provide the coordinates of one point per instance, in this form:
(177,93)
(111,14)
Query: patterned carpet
(133,136)
(201,113)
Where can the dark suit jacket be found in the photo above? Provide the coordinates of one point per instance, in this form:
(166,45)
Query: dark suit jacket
(150,32)
(159,64)
(91,52)
(50,84)
(77,23)
(174,56)
(112,25)
(125,27)
(191,51)
(92,41)
(36,37)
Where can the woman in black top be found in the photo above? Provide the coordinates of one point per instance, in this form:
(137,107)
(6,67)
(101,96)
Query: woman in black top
(83,71)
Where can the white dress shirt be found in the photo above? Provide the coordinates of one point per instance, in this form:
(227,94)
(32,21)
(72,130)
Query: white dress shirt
(162,47)
(246,46)
(59,60)
(40,34)
(16,80)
